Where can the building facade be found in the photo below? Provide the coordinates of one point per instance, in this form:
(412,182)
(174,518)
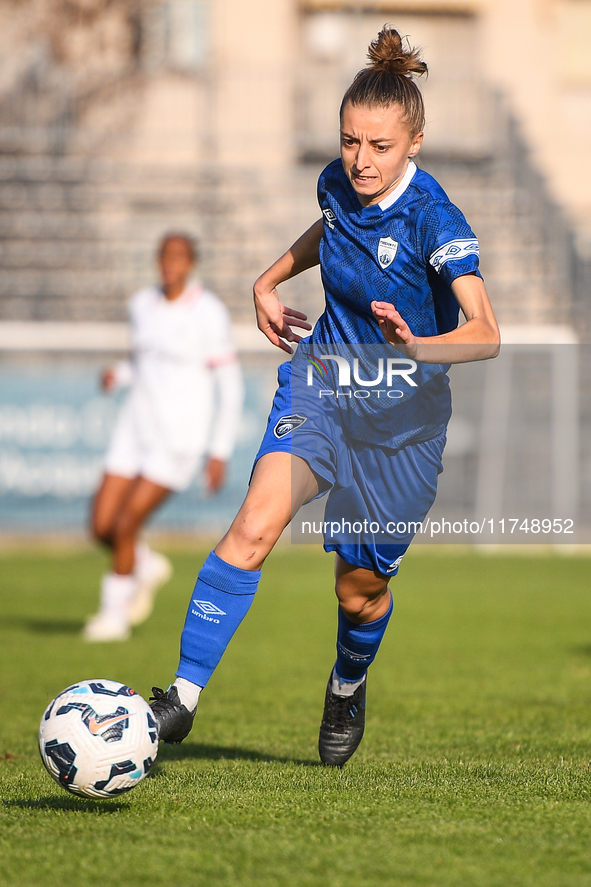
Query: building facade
(123,119)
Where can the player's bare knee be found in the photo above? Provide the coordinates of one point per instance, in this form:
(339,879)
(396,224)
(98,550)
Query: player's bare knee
(353,607)
(254,544)
(126,526)
(102,537)
(254,536)
(355,601)
(101,531)
(362,609)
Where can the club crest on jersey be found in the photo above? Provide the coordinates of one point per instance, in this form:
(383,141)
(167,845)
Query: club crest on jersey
(329,216)
(387,249)
(287,424)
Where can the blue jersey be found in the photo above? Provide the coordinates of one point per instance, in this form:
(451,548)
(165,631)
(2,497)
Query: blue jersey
(407,250)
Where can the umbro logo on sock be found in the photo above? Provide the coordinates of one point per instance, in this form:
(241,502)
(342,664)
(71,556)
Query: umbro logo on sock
(350,654)
(209,608)
(209,611)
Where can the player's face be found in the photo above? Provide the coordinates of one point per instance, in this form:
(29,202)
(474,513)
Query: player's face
(175,263)
(376,146)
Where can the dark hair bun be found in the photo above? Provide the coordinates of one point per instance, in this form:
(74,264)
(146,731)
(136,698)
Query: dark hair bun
(387,54)
(388,79)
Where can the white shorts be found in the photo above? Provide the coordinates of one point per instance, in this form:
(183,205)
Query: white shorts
(133,454)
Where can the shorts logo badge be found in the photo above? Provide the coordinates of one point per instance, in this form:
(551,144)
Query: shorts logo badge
(387,249)
(394,566)
(287,424)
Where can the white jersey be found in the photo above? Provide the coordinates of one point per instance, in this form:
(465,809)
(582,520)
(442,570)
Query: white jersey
(180,348)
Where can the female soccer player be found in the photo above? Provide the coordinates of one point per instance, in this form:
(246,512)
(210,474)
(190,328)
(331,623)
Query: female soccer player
(183,363)
(398,261)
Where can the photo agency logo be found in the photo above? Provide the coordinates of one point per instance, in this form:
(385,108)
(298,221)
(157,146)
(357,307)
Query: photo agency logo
(347,378)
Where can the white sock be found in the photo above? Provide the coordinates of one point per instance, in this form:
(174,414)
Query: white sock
(116,593)
(343,688)
(188,693)
(143,557)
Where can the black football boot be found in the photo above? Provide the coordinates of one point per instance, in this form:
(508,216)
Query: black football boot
(343,723)
(173,718)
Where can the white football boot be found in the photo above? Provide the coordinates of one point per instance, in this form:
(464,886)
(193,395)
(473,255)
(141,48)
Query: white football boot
(111,623)
(106,627)
(153,570)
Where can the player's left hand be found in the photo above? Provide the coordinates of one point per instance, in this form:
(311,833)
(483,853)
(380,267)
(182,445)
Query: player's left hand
(276,320)
(394,328)
(215,475)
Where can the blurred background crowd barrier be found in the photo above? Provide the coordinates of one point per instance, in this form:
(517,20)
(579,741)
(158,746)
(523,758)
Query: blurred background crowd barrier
(55,425)
(519,446)
(122,120)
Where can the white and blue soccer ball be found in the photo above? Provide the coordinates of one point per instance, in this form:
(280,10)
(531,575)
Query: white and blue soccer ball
(98,739)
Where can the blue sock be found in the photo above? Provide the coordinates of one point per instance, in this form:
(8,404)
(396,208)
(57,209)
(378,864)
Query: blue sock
(357,645)
(220,601)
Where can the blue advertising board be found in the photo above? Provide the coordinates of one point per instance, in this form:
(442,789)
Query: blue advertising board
(55,425)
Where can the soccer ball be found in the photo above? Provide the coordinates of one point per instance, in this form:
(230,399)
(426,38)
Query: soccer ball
(98,738)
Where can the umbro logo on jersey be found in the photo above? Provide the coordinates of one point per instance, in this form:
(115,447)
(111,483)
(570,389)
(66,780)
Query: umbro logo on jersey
(387,249)
(329,216)
(287,424)
(209,608)
(454,250)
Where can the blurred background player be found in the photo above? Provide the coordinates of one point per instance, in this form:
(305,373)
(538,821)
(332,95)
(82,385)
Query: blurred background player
(184,404)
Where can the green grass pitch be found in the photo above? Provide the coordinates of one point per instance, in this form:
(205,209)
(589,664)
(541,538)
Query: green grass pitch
(474,769)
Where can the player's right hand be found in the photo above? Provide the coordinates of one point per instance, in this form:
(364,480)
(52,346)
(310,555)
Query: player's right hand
(275,320)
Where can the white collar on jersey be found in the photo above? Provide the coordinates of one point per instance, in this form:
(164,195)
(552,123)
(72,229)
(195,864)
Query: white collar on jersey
(399,190)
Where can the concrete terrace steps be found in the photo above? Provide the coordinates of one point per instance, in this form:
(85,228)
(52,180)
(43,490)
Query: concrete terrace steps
(76,239)
(77,235)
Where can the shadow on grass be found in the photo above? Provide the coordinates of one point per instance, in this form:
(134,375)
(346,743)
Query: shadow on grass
(225,753)
(582,650)
(42,626)
(78,805)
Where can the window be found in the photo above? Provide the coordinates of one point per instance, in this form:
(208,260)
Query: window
(176,35)
(333,48)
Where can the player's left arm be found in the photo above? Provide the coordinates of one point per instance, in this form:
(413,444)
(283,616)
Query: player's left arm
(274,319)
(476,339)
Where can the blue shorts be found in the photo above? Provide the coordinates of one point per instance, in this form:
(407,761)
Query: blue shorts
(377,497)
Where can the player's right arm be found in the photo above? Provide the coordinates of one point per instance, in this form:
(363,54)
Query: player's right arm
(274,319)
